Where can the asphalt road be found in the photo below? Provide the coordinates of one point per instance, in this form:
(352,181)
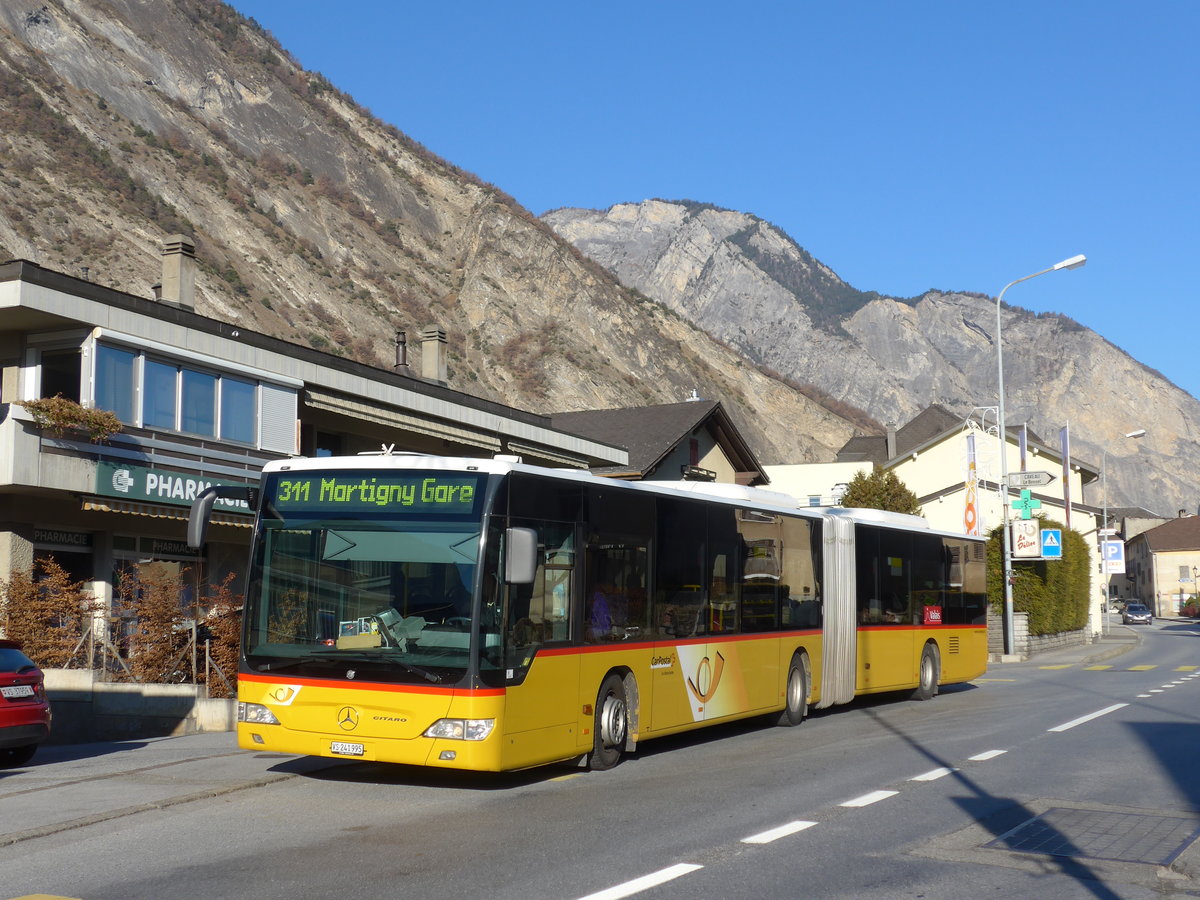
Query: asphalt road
(1071,775)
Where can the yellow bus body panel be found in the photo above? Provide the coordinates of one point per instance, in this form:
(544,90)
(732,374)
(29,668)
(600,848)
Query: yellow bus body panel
(672,686)
(388,721)
(889,658)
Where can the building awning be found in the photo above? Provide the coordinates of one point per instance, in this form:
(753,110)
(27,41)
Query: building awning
(546,453)
(391,417)
(160,511)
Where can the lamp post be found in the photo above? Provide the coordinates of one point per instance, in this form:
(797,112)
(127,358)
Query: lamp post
(1138,433)
(1006,564)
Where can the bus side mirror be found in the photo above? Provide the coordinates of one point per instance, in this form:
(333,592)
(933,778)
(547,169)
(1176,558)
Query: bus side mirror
(202,508)
(520,555)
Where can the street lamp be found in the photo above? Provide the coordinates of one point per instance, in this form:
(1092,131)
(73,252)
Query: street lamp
(1138,433)
(1073,263)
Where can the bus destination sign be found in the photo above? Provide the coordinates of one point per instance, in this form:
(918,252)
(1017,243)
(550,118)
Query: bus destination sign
(350,492)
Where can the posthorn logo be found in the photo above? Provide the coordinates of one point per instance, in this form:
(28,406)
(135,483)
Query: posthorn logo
(122,481)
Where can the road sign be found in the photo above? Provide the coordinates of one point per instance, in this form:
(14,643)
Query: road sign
(1114,557)
(1051,543)
(1029,479)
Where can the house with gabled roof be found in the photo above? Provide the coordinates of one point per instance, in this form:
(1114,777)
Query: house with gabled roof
(693,440)
(1163,564)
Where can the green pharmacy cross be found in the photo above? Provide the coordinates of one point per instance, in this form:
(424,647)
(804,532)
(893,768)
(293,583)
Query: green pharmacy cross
(1026,505)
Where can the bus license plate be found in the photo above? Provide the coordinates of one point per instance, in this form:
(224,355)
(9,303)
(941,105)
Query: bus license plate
(19,690)
(342,748)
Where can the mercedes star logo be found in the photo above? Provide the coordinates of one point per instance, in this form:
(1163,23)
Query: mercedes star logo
(347,718)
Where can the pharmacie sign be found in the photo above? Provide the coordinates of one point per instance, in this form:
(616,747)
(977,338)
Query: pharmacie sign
(148,485)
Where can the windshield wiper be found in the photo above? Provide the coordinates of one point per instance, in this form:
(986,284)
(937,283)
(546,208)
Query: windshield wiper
(291,663)
(342,656)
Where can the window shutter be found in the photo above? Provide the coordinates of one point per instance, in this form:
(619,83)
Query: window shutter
(277,419)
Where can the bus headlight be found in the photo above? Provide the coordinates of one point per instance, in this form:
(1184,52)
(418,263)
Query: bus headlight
(256,713)
(461,729)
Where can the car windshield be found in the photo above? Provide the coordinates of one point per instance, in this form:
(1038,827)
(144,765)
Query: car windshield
(386,594)
(1136,608)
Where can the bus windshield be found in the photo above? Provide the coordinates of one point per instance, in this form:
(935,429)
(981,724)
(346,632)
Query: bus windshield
(370,572)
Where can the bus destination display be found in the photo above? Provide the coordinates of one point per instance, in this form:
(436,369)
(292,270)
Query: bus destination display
(348,493)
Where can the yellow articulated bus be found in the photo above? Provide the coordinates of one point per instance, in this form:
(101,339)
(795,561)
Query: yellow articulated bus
(489,615)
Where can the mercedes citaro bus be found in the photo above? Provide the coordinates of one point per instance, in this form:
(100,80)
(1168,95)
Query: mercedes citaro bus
(490,615)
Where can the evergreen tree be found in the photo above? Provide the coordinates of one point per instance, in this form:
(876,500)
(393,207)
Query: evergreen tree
(880,489)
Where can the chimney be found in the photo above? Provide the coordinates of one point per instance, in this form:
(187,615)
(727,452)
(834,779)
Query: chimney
(433,354)
(179,271)
(891,440)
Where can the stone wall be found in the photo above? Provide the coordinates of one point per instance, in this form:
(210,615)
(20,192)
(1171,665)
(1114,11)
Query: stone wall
(88,710)
(1025,644)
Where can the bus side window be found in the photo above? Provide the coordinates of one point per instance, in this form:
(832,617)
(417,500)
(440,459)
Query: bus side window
(540,611)
(679,594)
(801,574)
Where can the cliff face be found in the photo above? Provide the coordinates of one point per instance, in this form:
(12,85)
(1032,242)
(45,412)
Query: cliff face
(122,121)
(748,284)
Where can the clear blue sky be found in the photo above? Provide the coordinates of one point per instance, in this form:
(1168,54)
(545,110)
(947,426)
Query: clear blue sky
(908,146)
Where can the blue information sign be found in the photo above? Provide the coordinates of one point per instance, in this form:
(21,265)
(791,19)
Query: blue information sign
(1051,543)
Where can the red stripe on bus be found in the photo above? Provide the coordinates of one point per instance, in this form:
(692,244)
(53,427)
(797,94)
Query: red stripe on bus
(343,684)
(667,640)
(975,628)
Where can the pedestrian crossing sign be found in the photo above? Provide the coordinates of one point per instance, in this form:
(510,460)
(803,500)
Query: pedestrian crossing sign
(1051,543)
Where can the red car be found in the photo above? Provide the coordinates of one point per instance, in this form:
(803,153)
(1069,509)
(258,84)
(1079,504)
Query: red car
(24,709)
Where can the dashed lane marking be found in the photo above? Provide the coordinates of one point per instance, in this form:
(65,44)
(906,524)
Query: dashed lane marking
(868,799)
(1097,668)
(986,755)
(934,774)
(654,879)
(1065,726)
(775,834)
(1059,666)
(1140,668)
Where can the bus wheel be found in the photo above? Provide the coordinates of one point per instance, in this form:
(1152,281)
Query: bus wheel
(929,674)
(795,696)
(612,724)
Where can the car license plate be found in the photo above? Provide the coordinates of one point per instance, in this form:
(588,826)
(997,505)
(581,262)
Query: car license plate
(342,748)
(19,690)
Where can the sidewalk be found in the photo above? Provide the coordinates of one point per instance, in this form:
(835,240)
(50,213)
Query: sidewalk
(1119,639)
(72,785)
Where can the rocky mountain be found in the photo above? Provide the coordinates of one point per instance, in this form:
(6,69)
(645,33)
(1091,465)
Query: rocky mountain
(122,121)
(754,288)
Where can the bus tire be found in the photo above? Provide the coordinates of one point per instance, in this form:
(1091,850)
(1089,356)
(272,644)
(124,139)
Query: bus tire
(611,728)
(795,693)
(929,673)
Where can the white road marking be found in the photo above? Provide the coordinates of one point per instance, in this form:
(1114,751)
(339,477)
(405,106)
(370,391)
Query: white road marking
(986,755)
(1143,696)
(629,888)
(934,774)
(1097,714)
(776,833)
(868,799)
